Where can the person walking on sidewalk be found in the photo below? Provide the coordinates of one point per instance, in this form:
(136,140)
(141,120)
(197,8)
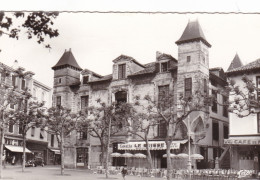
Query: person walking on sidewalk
(124,172)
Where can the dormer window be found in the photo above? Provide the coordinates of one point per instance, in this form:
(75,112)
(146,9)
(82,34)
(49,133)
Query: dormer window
(23,85)
(121,71)
(85,79)
(164,66)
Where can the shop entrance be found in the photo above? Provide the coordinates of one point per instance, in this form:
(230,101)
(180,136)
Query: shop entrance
(118,161)
(82,157)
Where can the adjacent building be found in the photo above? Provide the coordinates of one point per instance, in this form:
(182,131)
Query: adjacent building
(244,139)
(77,88)
(36,144)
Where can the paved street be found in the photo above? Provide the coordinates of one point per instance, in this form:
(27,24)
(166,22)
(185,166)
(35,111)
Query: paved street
(53,173)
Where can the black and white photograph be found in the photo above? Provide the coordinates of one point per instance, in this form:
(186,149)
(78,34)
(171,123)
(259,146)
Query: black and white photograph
(129,90)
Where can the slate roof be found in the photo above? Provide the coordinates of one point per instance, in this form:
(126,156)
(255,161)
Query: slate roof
(149,68)
(193,32)
(86,71)
(67,59)
(255,65)
(236,62)
(104,78)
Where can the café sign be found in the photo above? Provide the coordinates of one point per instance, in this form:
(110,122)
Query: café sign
(242,141)
(153,145)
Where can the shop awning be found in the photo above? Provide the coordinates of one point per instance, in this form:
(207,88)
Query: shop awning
(17,148)
(242,141)
(55,151)
(153,145)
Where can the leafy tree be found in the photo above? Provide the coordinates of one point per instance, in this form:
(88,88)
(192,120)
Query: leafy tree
(8,97)
(166,111)
(103,121)
(243,100)
(61,122)
(34,24)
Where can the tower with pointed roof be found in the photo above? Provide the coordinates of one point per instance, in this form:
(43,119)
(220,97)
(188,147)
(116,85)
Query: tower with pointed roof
(193,58)
(193,72)
(66,75)
(236,62)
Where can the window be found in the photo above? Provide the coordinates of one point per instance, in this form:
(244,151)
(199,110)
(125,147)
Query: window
(20,129)
(188,58)
(32,131)
(225,106)
(83,135)
(162,131)
(13,80)
(11,128)
(164,66)
(163,95)
(215,131)
(258,122)
(225,130)
(52,140)
(85,79)
(42,134)
(84,102)
(12,105)
(121,71)
(258,87)
(59,80)
(23,85)
(121,96)
(188,87)
(214,106)
(205,88)
(58,101)
(203,59)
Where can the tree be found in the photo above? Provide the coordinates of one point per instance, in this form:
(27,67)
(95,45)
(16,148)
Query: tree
(166,111)
(8,97)
(30,114)
(34,24)
(103,121)
(243,100)
(61,122)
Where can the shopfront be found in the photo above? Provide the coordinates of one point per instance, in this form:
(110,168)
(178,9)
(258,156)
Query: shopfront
(245,153)
(54,157)
(82,157)
(14,154)
(158,149)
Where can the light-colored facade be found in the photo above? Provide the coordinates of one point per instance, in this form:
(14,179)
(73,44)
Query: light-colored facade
(36,137)
(76,89)
(244,137)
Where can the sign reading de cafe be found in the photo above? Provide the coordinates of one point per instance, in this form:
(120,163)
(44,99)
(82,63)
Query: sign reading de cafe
(242,141)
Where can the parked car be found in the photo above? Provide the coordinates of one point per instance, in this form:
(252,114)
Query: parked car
(35,162)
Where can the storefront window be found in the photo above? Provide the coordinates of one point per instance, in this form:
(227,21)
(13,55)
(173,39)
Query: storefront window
(82,155)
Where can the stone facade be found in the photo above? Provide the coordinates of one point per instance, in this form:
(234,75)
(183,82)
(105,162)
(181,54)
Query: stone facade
(134,78)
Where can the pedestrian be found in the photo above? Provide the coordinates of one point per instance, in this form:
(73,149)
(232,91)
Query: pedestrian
(124,172)
(13,160)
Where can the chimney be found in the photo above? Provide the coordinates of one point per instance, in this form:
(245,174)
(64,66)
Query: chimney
(70,50)
(158,53)
(15,65)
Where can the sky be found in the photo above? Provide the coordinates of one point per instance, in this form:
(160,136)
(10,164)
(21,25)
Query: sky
(96,39)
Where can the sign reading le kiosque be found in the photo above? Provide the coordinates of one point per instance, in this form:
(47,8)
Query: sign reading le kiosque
(153,145)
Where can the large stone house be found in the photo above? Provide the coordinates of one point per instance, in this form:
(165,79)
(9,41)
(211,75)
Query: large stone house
(76,88)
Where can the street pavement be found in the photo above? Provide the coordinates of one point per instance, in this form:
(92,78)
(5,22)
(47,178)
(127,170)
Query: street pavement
(53,173)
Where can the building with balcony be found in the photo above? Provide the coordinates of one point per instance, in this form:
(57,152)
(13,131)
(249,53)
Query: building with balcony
(76,89)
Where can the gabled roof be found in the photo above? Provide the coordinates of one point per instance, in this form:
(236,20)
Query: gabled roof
(127,57)
(67,59)
(236,62)
(193,32)
(250,67)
